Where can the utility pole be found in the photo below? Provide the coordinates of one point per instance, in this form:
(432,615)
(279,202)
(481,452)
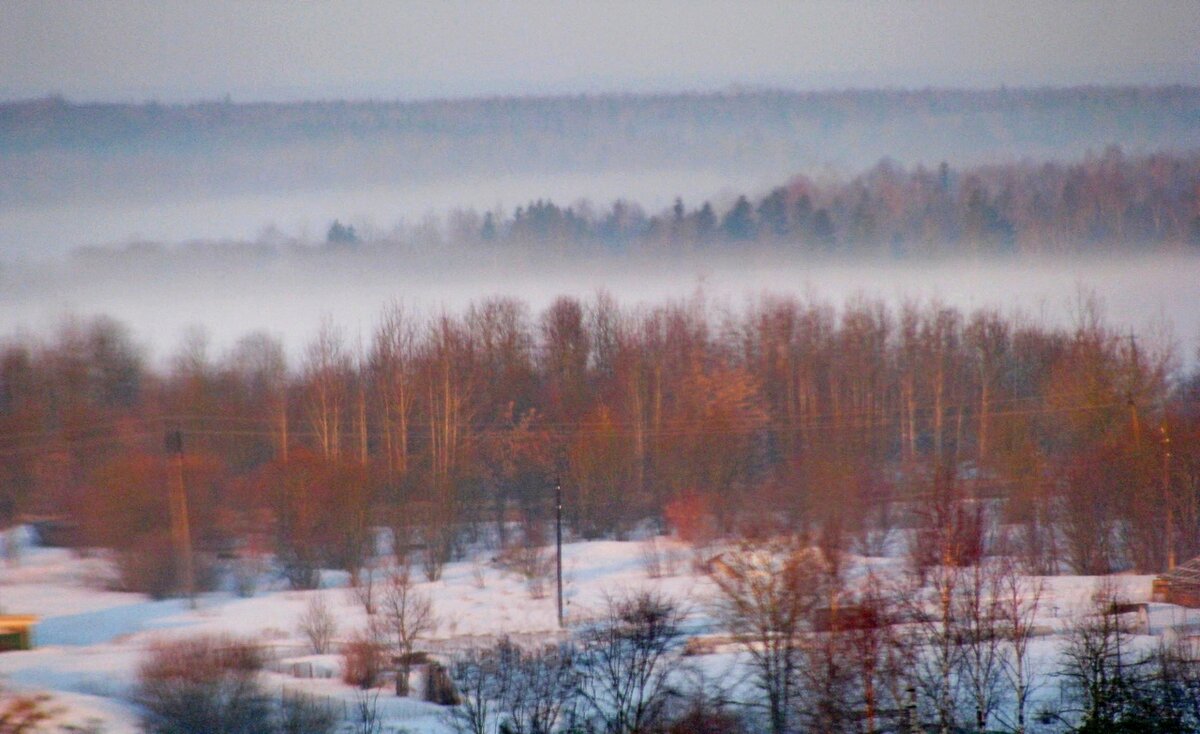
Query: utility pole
(558,545)
(1169,532)
(181,533)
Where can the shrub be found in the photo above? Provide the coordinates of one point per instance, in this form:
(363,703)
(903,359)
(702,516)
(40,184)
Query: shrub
(299,567)
(317,624)
(203,684)
(690,518)
(363,659)
(19,714)
(148,567)
(660,557)
(706,721)
(439,688)
(300,714)
(531,559)
(246,570)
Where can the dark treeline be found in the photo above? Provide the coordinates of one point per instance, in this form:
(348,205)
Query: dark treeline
(66,151)
(54,122)
(832,418)
(1109,200)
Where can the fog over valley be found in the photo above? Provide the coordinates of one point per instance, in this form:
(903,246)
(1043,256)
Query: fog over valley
(47,230)
(161,295)
(108,173)
(632,367)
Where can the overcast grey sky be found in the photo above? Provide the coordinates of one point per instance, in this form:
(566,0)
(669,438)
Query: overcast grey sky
(175,51)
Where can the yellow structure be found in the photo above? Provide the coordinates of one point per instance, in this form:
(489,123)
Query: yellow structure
(16,632)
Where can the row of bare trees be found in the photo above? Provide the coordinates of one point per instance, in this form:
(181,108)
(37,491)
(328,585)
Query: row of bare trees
(950,648)
(824,646)
(879,653)
(1085,439)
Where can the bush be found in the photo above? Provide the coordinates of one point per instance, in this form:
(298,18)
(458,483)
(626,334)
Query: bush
(20,714)
(704,706)
(201,685)
(363,659)
(300,714)
(660,557)
(531,559)
(246,570)
(299,567)
(439,688)
(706,721)
(690,518)
(625,658)
(148,567)
(317,624)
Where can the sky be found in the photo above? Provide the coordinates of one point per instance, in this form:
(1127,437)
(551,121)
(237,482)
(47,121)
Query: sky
(128,50)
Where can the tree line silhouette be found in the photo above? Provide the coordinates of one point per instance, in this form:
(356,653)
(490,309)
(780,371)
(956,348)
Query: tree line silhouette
(69,151)
(1107,202)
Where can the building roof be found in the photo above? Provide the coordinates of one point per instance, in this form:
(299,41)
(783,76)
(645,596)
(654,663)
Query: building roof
(16,622)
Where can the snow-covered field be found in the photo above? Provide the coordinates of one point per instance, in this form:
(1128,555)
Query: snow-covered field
(89,640)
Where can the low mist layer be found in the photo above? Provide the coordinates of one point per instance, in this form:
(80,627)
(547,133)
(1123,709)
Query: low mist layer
(98,173)
(161,293)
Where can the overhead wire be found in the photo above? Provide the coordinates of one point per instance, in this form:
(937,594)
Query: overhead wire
(194,425)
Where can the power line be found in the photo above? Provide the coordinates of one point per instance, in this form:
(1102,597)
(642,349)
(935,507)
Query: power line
(852,420)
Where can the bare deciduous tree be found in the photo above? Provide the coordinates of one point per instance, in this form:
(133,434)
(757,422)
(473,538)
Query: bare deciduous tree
(544,690)
(408,614)
(879,653)
(318,624)
(1020,599)
(768,589)
(1178,681)
(625,660)
(979,621)
(937,643)
(481,678)
(519,691)
(366,712)
(531,558)
(1102,676)
(364,591)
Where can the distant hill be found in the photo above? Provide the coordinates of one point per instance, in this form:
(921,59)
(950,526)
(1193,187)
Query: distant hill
(60,151)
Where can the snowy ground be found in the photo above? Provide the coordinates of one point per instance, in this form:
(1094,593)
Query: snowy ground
(89,640)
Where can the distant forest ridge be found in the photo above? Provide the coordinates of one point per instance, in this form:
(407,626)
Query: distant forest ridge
(1031,207)
(64,151)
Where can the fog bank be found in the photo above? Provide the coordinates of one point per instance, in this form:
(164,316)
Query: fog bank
(160,294)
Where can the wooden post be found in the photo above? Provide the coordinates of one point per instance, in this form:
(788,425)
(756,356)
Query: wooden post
(558,545)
